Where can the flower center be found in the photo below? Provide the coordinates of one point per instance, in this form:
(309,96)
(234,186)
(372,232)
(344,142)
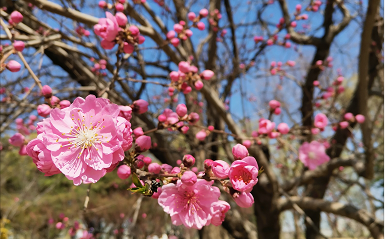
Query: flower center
(244,176)
(311,155)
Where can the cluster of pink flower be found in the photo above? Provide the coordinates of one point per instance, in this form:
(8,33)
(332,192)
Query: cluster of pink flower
(113,30)
(188,76)
(313,154)
(98,66)
(276,67)
(54,102)
(193,201)
(18,139)
(82,32)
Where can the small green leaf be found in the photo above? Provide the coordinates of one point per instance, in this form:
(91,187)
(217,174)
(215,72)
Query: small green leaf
(136,181)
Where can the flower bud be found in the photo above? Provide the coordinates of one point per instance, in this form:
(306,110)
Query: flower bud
(18,45)
(147,160)
(201,135)
(360,119)
(138,132)
(274,104)
(181,110)
(239,152)
(46,91)
(189,178)
(188,160)
(154,168)
(201,26)
(13,66)
(207,74)
(16,17)
(191,16)
(17,140)
(64,104)
(124,172)
(220,169)
(43,110)
(119,7)
(198,85)
(243,199)
(140,106)
(143,143)
(134,30)
(193,118)
(203,12)
(283,128)
(121,19)
(128,48)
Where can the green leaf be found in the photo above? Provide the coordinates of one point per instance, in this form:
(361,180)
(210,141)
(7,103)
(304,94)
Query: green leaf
(136,181)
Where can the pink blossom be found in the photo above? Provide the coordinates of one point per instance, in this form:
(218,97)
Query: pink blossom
(243,174)
(102,4)
(125,112)
(143,143)
(316,83)
(85,138)
(154,168)
(174,76)
(360,119)
(313,154)
(283,128)
(138,132)
(43,110)
(277,111)
(13,66)
(189,178)
(128,48)
(290,63)
(189,205)
(207,74)
(178,28)
(18,45)
(220,169)
(147,160)
(191,16)
(184,66)
(16,17)
(17,140)
(348,116)
(298,7)
(315,131)
(140,106)
(188,33)
(181,110)
(244,199)
(46,91)
(193,118)
(293,24)
(201,135)
(175,42)
(23,150)
(320,121)
(41,156)
(124,172)
(218,211)
(239,152)
(171,117)
(246,143)
(107,28)
(119,7)
(170,35)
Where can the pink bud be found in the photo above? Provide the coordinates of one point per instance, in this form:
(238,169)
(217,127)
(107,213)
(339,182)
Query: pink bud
(189,178)
(247,143)
(191,16)
(140,106)
(269,42)
(162,118)
(139,161)
(13,66)
(298,7)
(18,45)
(274,104)
(134,30)
(188,33)
(16,17)
(17,140)
(316,83)
(293,24)
(193,118)
(277,111)
(147,160)
(187,90)
(208,163)
(184,129)
(360,119)
(184,66)
(121,19)
(128,48)
(201,26)
(210,128)
(344,124)
(178,28)
(239,152)
(315,131)
(174,76)
(207,74)
(43,110)
(283,128)
(54,100)
(348,116)
(181,110)
(201,135)
(243,199)
(198,85)
(108,45)
(141,39)
(64,104)
(340,79)
(175,42)
(46,91)
(102,4)
(290,63)
(220,169)
(124,172)
(193,69)
(138,132)
(154,168)
(119,7)
(203,12)
(304,16)
(59,225)
(170,35)
(143,143)
(319,63)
